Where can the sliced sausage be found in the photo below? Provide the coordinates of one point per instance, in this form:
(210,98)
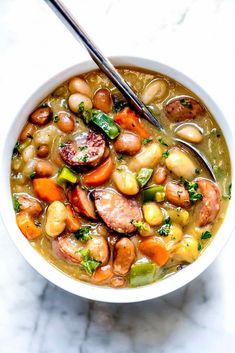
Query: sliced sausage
(117,211)
(182,108)
(207,209)
(177,195)
(127,143)
(81,202)
(29,205)
(124,256)
(86,151)
(69,247)
(41,116)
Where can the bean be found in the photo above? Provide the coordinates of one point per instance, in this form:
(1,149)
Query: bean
(42,151)
(177,195)
(117,282)
(78,85)
(181,164)
(155,90)
(126,181)
(43,169)
(45,136)
(148,157)
(152,214)
(102,100)
(124,256)
(76,99)
(56,219)
(189,133)
(128,143)
(99,250)
(187,249)
(28,153)
(65,122)
(41,116)
(160,175)
(27,132)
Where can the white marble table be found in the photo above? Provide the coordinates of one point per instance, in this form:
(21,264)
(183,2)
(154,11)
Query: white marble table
(196,36)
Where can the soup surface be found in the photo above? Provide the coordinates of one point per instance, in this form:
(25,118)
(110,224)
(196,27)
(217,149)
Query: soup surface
(103,195)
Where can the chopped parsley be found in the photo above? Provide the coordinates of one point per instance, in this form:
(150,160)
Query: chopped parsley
(81,107)
(32,175)
(88,263)
(37,224)
(16,148)
(62,145)
(84,158)
(83,233)
(120,157)
(16,203)
(192,190)
(229,194)
(199,246)
(166,154)
(139,224)
(43,105)
(82,148)
(146,141)
(166,227)
(186,103)
(206,235)
(55,118)
(162,142)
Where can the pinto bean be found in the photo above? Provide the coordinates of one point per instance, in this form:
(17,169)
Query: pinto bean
(127,143)
(65,122)
(207,209)
(43,169)
(27,132)
(160,175)
(42,151)
(177,195)
(124,256)
(102,100)
(41,116)
(77,84)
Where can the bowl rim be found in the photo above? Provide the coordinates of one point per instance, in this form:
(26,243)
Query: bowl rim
(54,275)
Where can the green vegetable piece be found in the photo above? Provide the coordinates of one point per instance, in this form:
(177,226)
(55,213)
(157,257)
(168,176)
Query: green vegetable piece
(143,176)
(149,193)
(66,175)
(206,235)
(16,203)
(142,274)
(106,124)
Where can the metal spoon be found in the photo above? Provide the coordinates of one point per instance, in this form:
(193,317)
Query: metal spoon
(107,67)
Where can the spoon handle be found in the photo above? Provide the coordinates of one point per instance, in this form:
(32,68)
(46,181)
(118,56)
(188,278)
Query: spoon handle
(103,63)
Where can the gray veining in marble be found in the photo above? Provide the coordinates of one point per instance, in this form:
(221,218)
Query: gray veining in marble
(196,36)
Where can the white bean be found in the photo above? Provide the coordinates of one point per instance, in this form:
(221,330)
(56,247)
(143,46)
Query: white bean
(76,99)
(56,219)
(28,153)
(189,133)
(155,90)
(126,181)
(187,249)
(45,135)
(148,157)
(180,163)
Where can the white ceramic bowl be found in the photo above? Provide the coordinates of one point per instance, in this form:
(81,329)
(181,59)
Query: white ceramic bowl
(50,272)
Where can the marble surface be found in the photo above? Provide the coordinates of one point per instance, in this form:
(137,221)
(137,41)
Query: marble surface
(195,36)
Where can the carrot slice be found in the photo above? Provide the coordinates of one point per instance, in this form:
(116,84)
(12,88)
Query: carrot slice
(128,119)
(102,274)
(154,250)
(99,175)
(27,226)
(73,222)
(47,190)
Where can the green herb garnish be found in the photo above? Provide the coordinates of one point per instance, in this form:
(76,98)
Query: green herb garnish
(229,194)
(32,175)
(162,142)
(83,233)
(139,224)
(120,157)
(166,227)
(16,148)
(199,246)
(16,203)
(146,140)
(37,224)
(82,148)
(55,118)
(81,107)
(166,154)
(84,158)
(186,103)
(62,145)
(192,190)
(88,264)
(206,235)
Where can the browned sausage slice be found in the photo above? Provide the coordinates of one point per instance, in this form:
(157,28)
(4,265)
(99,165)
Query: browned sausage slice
(29,204)
(207,209)
(117,211)
(86,150)
(182,108)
